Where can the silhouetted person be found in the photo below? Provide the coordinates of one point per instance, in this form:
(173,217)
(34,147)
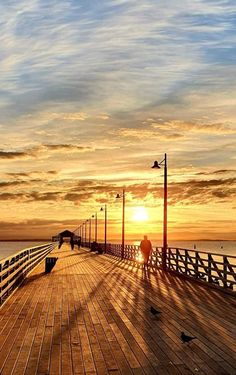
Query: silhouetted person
(60,243)
(94,246)
(79,242)
(146,248)
(72,244)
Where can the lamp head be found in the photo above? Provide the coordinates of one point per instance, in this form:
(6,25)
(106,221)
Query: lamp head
(156,165)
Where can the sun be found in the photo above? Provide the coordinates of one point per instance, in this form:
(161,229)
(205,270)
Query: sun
(140,214)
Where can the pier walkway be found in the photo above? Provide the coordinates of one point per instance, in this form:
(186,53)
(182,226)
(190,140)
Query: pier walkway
(91,315)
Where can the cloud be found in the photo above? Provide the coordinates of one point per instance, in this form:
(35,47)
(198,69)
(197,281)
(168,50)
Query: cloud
(12,183)
(42,151)
(103,88)
(32,174)
(143,134)
(183,126)
(217,172)
(202,191)
(10,155)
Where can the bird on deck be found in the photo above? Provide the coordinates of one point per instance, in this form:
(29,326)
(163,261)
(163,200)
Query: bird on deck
(154,311)
(186,338)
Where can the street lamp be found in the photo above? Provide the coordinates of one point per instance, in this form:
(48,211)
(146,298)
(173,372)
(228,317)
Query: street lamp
(96,226)
(85,232)
(164,252)
(105,225)
(87,221)
(89,232)
(83,239)
(123,222)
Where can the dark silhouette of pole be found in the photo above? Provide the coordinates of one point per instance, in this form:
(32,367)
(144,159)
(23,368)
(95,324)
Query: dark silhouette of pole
(165,214)
(105,231)
(105,225)
(123,223)
(95,227)
(89,232)
(164,250)
(85,233)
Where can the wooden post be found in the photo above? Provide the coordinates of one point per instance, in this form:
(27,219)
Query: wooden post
(196,265)
(123,225)
(225,267)
(164,251)
(177,260)
(0,284)
(105,230)
(209,268)
(186,262)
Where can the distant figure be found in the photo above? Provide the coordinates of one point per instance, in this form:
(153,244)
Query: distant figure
(72,244)
(146,248)
(94,246)
(60,243)
(194,246)
(79,242)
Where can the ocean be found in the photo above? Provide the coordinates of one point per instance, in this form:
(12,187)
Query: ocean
(218,247)
(8,248)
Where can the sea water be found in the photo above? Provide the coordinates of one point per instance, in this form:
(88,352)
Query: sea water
(8,248)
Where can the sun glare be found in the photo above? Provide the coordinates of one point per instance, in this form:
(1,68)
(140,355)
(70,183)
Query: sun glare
(140,214)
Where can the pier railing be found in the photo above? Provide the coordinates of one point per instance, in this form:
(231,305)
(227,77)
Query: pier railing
(14,268)
(211,268)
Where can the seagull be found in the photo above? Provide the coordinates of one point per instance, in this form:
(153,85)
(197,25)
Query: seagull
(186,338)
(154,311)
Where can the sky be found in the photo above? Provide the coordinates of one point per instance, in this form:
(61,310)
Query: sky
(92,92)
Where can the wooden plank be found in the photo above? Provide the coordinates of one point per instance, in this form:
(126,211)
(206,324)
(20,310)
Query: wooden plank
(91,315)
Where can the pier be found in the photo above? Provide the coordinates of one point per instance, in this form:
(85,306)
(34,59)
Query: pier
(91,315)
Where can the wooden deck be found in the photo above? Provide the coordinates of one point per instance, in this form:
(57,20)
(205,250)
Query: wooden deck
(91,315)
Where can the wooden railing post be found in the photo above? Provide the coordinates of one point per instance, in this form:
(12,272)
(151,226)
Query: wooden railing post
(209,268)
(168,257)
(0,284)
(196,265)
(186,262)
(225,267)
(177,260)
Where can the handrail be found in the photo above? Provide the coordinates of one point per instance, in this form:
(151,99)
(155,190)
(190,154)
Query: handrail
(13,269)
(218,270)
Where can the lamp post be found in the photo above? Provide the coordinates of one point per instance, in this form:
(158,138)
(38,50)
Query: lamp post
(85,232)
(82,231)
(95,216)
(164,252)
(123,222)
(90,232)
(105,225)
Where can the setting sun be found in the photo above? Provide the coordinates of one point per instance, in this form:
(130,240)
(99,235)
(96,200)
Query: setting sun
(140,214)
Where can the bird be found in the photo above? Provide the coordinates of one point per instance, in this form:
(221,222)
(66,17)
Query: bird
(186,338)
(154,311)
